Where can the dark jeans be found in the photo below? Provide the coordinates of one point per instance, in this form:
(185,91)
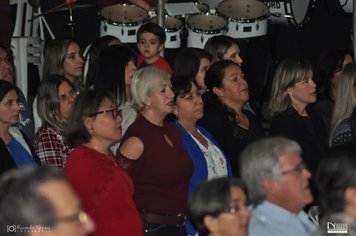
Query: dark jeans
(152,229)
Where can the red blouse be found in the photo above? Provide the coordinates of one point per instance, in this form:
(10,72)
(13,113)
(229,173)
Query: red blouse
(106,192)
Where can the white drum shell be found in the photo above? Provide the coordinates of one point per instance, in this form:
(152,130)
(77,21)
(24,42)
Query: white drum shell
(201,27)
(122,21)
(247,29)
(347,5)
(173,29)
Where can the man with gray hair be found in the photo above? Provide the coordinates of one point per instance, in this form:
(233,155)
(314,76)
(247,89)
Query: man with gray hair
(38,201)
(278,187)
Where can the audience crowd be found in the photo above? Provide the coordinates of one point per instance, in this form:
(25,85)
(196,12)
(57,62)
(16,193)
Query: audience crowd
(126,144)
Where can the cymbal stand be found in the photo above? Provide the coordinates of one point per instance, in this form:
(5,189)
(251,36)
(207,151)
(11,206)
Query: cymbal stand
(71,23)
(42,21)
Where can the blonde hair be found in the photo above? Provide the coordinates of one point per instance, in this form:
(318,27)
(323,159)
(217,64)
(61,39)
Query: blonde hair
(344,97)
(289,72)
(144,83)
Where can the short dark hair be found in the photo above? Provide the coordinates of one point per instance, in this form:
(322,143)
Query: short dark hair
(6,87)
(335,174)
(154,29)
(86,103)
(21,203)
(216,72)
(212,198)
(181,85)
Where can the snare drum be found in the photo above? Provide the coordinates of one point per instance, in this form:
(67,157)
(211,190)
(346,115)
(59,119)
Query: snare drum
(247,18)
(201,27)
(203,7)
(294,12)
(122,21)
(173,28)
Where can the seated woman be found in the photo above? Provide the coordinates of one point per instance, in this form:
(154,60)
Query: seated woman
(218,207)
(224,117)
(345,102)
(153,153)
(208,159)
(92,55)
(55,97)
(336,181)
(327,78)
(94,172)
(61,57)
(293,89)
(15,148)
(115,68)
(223,47)
(194,63)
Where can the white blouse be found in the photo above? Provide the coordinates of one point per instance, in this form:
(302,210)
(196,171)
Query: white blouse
(215,159)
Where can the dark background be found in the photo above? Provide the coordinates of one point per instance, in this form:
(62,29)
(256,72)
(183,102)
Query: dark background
(329,27)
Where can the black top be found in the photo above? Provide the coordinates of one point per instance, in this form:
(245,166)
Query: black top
(310,132)
(232,138)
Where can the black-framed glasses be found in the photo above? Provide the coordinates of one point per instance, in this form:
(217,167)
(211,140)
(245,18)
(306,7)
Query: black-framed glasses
(81,216)
(115,112)
(297,169)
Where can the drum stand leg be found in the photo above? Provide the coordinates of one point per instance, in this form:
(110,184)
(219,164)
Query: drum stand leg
(42,21)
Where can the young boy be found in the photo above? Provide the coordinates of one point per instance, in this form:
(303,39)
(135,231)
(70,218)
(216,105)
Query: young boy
(150,42)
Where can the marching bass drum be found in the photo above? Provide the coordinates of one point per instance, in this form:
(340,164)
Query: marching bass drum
(173,28)
(201,27)
(247,18)
(122,21)
(290,12)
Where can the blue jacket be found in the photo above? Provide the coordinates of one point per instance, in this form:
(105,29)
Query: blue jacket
(200,172)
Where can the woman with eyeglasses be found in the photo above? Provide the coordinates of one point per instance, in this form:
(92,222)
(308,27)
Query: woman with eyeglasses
(15,148)
(218,207)
(94,172)
(55,97)
(153,154)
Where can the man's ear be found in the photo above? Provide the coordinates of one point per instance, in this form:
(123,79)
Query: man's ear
(269,185)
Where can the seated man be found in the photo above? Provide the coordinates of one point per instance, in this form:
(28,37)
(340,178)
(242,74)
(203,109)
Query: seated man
(277,183)
(39,201)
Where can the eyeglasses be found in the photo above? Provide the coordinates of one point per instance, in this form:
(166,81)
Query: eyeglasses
(115,112)
(234,210)
(297,169)
(82,217)
(64,97)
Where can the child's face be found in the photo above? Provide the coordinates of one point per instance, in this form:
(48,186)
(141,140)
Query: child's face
(149,45)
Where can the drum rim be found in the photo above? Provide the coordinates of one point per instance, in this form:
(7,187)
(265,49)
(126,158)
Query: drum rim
(170,30)
(123,23)
(196,30)
(243,20)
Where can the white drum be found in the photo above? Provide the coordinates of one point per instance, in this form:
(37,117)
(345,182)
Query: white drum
(347,5)
(201,27)
(173,28)
(122,21)
(293,12)
(247,18)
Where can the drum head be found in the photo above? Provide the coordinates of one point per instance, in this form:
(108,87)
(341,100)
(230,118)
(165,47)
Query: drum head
(300,9)
(206,22)
(204,8)
(124,13)
(242,9)
(171,23)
